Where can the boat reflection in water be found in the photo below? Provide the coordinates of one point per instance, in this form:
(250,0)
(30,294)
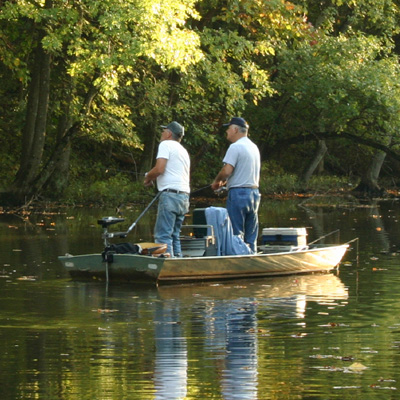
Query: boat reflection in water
(229,321)
(202,338)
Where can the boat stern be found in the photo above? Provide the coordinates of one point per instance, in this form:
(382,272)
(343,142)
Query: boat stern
(124,267)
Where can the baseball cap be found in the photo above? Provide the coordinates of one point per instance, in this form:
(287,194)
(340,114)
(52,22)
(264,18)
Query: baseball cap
(237,121)
(175,127)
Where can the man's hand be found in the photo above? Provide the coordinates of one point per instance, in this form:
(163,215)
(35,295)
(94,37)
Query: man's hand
(147,181)
(217,184)
(156,171)
(223,175)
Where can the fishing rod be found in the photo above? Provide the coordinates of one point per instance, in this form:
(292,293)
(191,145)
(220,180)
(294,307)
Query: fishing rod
(324,236)
(219,191)
(200,190)
(125,171)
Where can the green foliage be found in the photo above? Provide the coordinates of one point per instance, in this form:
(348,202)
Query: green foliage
(330,183)
(289,183)
(95,47)
(374,17)
(113,191)
(278,184)
(335,85)
(274,180)
(298,71)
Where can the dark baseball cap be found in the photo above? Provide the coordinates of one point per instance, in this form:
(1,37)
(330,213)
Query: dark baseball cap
(175,127)
(237,121)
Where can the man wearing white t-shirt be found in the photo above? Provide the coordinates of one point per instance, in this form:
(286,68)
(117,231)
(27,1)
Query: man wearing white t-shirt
(172,170)
(241,174)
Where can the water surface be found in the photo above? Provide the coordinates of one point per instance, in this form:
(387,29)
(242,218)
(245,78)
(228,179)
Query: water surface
(324,336)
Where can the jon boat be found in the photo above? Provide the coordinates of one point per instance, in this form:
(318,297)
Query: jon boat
(284,251)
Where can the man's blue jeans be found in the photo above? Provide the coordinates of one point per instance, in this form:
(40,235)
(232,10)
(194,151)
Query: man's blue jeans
(242,206)
(172,208)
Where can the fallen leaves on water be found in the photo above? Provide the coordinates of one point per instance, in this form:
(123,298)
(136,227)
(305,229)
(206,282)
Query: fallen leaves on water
(27,278)
(347,358)
(375,386)
(167,322)
(322,356)
(330,368)
(347,387)
(105,310)
(332,324)
(326,356)
(386,380)
(299,334)
(258,330)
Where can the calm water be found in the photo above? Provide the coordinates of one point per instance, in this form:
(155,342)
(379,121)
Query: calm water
(334,336)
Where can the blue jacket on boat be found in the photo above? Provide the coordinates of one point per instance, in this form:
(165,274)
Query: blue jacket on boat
(227,243)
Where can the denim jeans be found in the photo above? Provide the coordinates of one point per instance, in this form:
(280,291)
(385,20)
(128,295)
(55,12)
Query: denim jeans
(172,208)
(242,206)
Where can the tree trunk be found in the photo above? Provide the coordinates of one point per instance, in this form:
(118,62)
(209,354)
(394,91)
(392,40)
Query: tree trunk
(34,133)
(61,149)
(58,180)
(150,147)
(318,157)
(369,181)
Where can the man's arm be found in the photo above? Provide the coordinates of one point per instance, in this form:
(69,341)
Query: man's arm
(156,171)
(223,175)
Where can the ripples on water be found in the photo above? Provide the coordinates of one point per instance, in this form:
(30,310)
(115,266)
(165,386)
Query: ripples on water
(318,336)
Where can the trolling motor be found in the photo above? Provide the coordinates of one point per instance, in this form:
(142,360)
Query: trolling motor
(111,249)
(105,222)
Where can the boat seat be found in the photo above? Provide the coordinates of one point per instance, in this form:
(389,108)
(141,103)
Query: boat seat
(198,240)
(199,218)
(153,248)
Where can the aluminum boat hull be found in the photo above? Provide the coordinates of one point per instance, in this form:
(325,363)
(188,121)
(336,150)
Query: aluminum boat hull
(134,267)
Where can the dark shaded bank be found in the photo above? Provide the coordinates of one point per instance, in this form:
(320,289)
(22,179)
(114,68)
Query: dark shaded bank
(206,197)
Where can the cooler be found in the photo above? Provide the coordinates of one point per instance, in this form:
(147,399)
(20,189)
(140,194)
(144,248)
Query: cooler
(284,236)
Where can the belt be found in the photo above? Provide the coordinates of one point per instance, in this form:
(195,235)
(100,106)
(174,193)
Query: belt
(175,191)
(243,187)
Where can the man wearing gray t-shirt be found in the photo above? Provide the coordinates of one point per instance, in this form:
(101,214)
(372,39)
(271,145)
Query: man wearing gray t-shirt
(241,174)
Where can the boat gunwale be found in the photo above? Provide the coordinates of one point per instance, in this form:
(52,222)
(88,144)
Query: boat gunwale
(182,259)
